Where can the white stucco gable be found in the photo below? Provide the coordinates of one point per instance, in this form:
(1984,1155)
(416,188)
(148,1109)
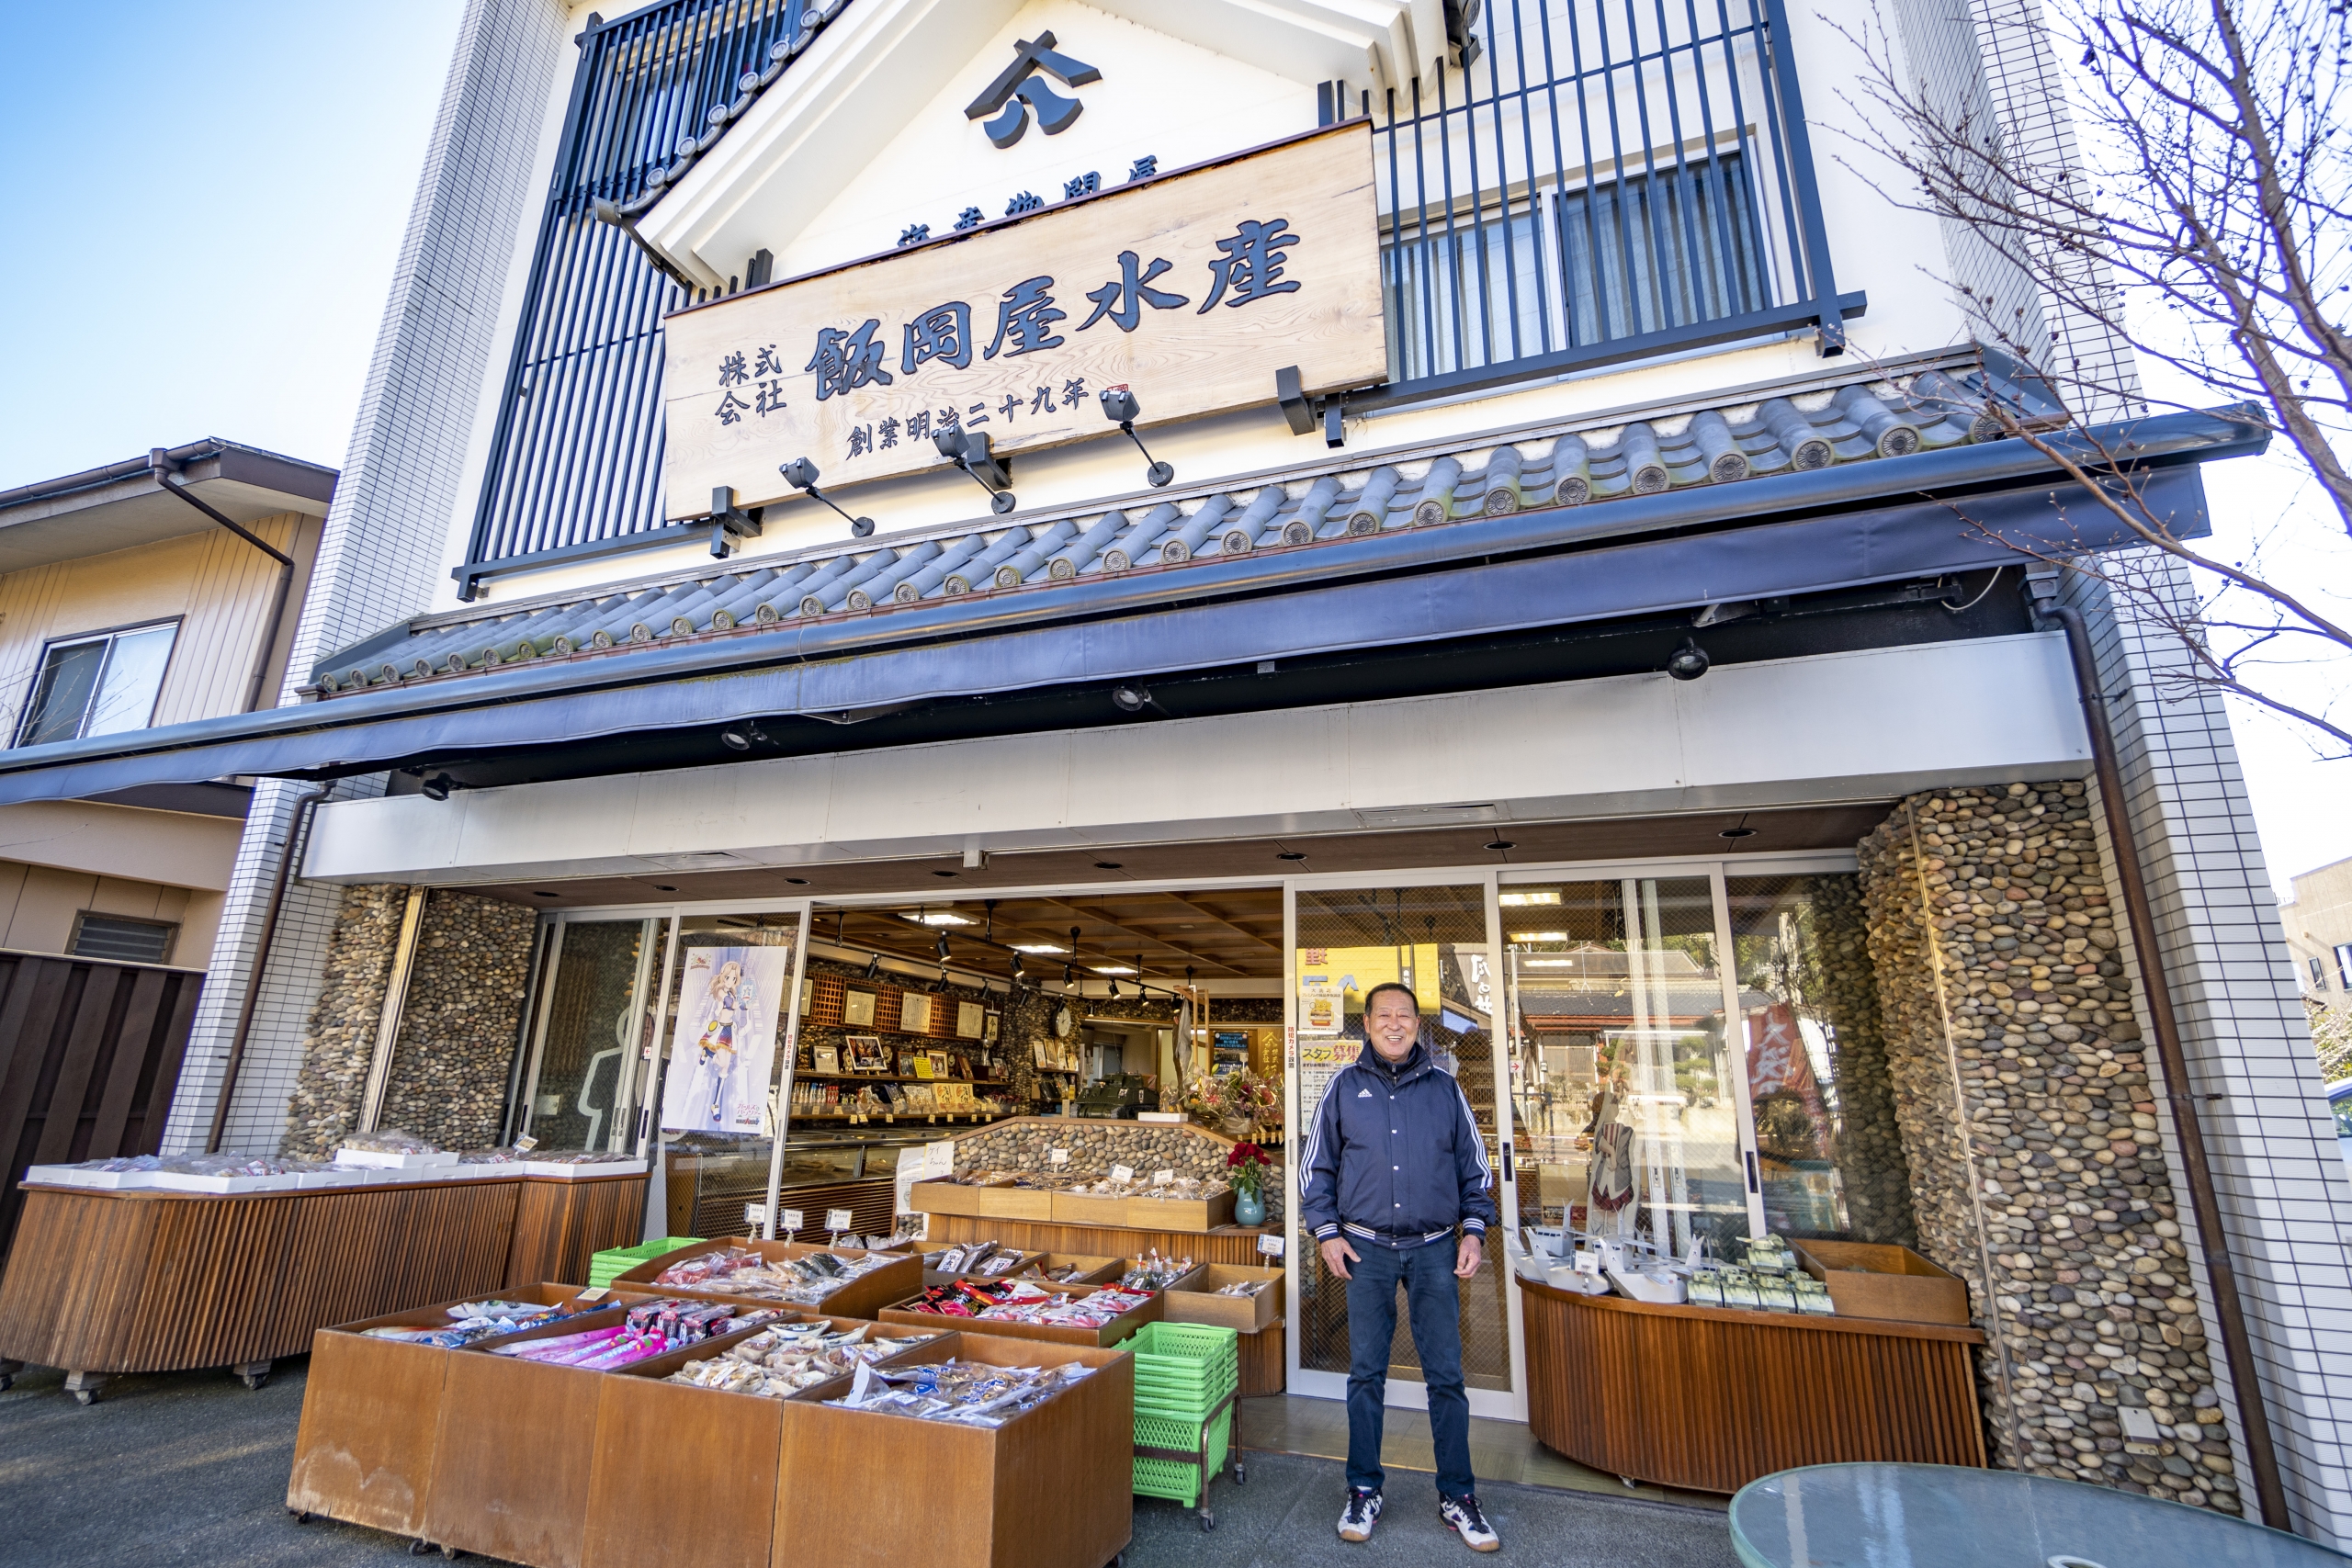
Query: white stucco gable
(866,133)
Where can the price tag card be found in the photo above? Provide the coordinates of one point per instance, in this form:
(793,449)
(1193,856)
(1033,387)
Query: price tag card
(1272,1246)
(840,1220)
(595,1293)
(790,1220)
(1122,1173)
(1057,1156)
(526,1145)
(1162,1178)
(1589,1263)
(755,1214)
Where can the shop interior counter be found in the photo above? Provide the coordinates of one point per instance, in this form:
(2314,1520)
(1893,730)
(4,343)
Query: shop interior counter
(1711,1398)
(104,1282)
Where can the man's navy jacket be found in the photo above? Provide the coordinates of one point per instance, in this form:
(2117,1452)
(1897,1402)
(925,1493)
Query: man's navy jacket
(1393,1157)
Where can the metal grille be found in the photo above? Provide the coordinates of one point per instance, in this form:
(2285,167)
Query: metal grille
(1600,180)
(576,456)
(1435,939)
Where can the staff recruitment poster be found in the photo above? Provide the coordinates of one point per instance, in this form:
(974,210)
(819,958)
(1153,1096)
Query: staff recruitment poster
(724,1050)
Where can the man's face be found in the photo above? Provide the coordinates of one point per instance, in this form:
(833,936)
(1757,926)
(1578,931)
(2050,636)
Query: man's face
(1393,1024)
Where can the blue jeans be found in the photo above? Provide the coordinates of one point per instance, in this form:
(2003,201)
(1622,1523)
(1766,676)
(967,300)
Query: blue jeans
(1432,1298)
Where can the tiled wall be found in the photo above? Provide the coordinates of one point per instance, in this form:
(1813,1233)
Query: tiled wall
(2287,1206)
(385,535)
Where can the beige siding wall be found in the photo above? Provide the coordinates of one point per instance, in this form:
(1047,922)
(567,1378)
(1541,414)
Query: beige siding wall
(217,587)
(38,903)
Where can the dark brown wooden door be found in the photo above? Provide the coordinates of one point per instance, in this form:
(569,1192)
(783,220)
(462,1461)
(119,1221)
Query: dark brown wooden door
(89,1055)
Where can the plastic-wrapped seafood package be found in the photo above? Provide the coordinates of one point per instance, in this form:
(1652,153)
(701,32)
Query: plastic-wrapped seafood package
(968,1393)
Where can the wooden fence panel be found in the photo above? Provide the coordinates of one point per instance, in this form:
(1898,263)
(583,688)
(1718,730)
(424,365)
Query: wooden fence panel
(89,1055)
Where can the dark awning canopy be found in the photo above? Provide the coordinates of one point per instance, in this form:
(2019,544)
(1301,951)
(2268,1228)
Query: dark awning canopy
(1958,510)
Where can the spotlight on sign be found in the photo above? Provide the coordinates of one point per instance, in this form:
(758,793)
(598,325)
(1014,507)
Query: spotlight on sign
(1688,662)
(1119,406)
(970,451)
(801,474)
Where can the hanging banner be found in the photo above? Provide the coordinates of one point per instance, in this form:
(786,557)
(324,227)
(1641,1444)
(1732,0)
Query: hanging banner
(723,1052)
(1191,289)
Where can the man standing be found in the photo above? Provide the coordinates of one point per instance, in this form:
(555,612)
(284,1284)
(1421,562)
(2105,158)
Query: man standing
(1393,1165)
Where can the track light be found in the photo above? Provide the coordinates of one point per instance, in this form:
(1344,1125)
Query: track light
(1119,406)
(970,451)
(1016,964)
(742,737)
(437,787)
(941,947)
(1131,699)
(1688,662)
(1114,987)
(801,474)
(872,965)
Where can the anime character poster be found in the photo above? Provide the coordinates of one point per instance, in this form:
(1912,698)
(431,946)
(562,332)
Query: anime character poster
(724,1050)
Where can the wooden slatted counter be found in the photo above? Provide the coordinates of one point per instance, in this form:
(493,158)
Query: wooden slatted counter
(102,1284)
(1263,1358)
(1709,1398)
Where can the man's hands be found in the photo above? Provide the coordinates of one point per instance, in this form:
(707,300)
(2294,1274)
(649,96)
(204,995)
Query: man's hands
(1338,1255)
(1467,1256)
(1334,1251)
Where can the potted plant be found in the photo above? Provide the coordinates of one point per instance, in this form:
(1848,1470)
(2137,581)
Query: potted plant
(1246,1166)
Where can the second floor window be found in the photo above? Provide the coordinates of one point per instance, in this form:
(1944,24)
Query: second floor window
(98,685)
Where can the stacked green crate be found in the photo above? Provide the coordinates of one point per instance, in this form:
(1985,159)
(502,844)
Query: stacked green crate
(606,1266)
(1186,1377)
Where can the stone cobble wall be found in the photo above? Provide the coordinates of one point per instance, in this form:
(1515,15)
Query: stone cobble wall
(1095,1145)
(453,1058)
(341,1038)
(2017,1068)
(450,1060)
(1874,1174)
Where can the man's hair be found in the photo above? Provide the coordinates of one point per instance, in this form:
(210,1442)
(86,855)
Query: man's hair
(1397,985)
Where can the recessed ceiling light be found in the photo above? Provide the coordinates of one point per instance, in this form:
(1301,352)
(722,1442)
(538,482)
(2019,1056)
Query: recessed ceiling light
(1516,901)
(937,918)
(797,881)
(664,887)
(1109,865)
(1736,833)
(1501,844)
(1292,854)
(1112,969)
(541,893)
(943,874)
(1037,947)
(1538,936)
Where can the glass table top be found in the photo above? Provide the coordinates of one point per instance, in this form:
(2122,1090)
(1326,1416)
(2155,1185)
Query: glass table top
(1928,1516)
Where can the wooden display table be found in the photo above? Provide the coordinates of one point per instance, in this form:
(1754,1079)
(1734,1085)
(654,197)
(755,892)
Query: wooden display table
(1711,1398)
(102,1284)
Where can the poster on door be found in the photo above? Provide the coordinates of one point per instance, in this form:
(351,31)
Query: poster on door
(724,1050)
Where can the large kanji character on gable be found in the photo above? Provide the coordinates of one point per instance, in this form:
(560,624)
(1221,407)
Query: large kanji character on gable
(942,332)
(1250,263)
(845,361)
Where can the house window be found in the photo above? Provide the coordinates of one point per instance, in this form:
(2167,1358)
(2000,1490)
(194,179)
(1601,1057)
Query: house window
(2343,965)
(1664,249)
(123,939)
(2319,973)
(98,685)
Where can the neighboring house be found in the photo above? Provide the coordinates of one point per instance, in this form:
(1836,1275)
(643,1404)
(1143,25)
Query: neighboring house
(122,607)
(1583,499)
(2318,923)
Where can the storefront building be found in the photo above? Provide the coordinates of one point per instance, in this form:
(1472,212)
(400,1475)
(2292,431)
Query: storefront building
(1474,495)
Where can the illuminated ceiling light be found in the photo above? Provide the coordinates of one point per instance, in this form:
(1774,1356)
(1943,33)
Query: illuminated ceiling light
(1519,900)
(1037,947)
(938,918)
(1538,936)
(1112,969)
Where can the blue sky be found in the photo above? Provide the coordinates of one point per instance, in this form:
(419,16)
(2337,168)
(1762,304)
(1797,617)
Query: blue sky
(205,205)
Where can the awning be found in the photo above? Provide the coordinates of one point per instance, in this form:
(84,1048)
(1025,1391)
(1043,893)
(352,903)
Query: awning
(1959,510)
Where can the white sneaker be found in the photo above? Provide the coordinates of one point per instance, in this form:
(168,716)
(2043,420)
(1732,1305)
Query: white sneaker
(1358,1517)
(1469,1522)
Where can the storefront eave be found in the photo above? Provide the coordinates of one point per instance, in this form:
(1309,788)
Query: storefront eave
(1418,586)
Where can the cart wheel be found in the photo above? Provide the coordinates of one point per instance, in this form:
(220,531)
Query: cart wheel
(1240,1475)
(299,1516)
(8,1381)
(451,1552)
(1208,1521)
(253,1380)
(85,1396)
(419,1547)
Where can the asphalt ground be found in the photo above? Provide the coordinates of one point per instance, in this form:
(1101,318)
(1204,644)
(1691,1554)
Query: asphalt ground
(191,1468)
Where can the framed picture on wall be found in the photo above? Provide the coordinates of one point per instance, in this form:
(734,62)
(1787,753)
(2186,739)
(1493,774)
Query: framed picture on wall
(968,1019)
(914,1013)
(866,1055)
(857,1009)
(829,1060)
(989,1026)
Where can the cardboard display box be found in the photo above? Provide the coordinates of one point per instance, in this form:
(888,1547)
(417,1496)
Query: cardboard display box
(370,1432)
(1047,1489)
(1111,1333)
(1194,1297)
(1866,1279)
(996,1201)
(860,1297)
(1178,1213)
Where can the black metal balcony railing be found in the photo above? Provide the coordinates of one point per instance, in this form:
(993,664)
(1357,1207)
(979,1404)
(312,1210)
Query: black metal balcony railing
(1599,181)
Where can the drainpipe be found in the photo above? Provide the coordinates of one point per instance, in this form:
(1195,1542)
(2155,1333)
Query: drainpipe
(2237,1349)
(295,836)
(159,464)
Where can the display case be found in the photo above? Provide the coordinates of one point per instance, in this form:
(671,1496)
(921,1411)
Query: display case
(1153,1309)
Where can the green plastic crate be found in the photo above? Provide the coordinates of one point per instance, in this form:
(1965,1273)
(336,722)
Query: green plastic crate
(606,1266)
(1179,1481)
(1183,1369)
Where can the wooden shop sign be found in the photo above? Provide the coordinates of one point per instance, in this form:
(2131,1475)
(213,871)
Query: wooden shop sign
(1191,289)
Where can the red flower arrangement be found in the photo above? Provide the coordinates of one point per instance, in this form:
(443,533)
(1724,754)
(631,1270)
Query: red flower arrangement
(1246,1166)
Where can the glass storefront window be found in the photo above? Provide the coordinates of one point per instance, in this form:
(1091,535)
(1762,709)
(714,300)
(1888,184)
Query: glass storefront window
(1435,941)
(1829,1154)
(597,1022)
(1625,1088)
